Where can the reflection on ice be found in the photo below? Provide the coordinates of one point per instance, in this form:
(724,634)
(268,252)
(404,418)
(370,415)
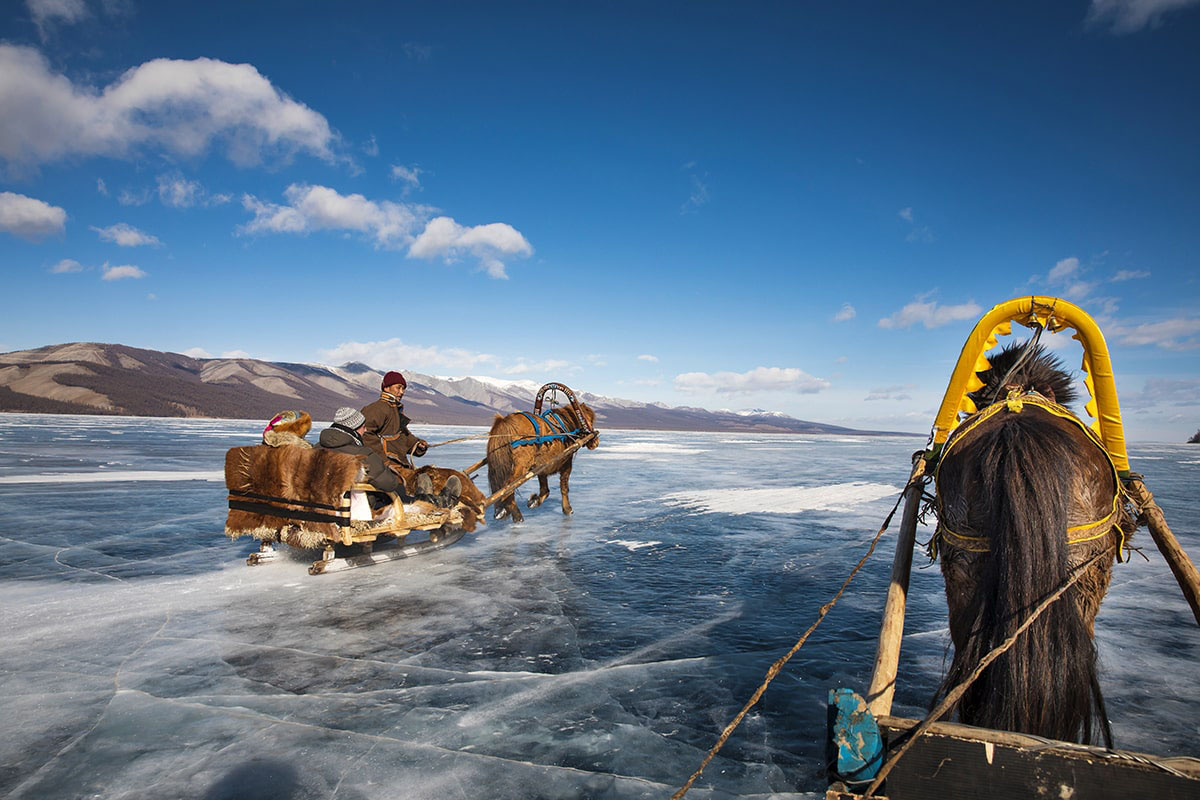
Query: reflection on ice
(597,655)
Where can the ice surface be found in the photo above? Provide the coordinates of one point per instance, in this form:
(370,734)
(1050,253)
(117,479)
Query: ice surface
(593,656)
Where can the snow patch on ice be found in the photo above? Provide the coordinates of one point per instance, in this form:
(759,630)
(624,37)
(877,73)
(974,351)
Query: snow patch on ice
(114,476)
(639,449)
(782,500)
(632,546)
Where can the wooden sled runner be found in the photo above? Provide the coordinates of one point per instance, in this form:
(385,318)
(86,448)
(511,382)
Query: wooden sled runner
(314,498)
(932,758)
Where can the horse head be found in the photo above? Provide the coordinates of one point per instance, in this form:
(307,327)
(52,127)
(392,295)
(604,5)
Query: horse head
(1039,371)
(589,418)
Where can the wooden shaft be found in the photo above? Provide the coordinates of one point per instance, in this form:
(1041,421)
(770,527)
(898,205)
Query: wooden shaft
(475,466)
(891,630)
(1182,566)
(512,485)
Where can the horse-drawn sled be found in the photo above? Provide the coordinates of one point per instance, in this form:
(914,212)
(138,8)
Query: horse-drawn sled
(1033,507)
(312,499)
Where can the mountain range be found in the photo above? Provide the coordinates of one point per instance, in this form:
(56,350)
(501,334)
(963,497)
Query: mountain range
(93,378)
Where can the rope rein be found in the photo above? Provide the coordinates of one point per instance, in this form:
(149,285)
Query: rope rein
(779,663)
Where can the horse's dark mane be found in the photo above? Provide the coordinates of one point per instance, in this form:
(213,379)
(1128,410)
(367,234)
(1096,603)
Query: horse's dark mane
(1016,478)
(1042,372)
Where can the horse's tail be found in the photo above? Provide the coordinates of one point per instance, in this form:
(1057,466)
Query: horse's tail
(500,461)
(1044,683)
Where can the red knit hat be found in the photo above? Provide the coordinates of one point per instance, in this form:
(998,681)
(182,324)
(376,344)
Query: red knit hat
(392,378)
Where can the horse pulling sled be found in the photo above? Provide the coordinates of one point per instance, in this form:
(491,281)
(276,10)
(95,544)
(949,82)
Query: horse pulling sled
(314,498)
(1033,505)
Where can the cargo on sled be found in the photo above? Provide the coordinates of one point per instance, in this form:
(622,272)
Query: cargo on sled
(989,455)
(314,498)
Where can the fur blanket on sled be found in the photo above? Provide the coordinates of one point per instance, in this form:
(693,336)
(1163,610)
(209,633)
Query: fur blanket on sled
(312,476)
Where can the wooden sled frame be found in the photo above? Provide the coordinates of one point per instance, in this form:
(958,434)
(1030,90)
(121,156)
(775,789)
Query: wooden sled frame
(442,525)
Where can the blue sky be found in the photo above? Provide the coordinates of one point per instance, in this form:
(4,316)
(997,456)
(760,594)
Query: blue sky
(794,206)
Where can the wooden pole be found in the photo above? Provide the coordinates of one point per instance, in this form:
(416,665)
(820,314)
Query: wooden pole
(512,485)
(1168,545)
(475,466)
(891,631)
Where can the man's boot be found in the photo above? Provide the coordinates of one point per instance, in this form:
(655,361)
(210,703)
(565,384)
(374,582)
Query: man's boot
(450,492)
(423,488)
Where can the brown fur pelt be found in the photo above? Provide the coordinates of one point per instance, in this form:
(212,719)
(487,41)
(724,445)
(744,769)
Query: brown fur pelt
(470,502)
(314,476)
(506,462)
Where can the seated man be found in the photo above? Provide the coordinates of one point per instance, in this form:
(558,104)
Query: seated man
(345,435)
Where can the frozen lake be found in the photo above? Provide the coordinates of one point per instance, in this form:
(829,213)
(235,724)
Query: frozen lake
(592,656)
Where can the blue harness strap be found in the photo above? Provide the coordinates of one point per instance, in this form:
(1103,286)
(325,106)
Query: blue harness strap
(556,424)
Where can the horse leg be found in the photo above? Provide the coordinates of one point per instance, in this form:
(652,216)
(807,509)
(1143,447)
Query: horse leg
(510,505)
(564,479)
(542,493)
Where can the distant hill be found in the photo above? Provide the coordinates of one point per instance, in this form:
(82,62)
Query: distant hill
(92,378)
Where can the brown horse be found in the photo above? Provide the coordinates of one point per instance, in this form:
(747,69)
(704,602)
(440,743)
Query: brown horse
(506,461)
(1026,494)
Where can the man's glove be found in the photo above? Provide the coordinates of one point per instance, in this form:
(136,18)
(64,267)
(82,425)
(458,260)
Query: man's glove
(420,447)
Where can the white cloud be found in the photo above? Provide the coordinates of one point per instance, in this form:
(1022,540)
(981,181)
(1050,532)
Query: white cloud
(417,51)
(235,354)
(1164,392)
(896,392)
(128,197)
(759,379)
(1130,275)
(126,235)
(396,354)
(371,148)
(1063,270)
(29,217)
(182,107)
(916,233)
(698,197)
(101,186)
(549,365)
(446,238)
(410,175)
(648,357)
(66,265)
(845,314)
(314,208)
(46,13)
(1169,334)
(930,314)
(121,272)
(178,192)
(1130,16)
(197,352)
